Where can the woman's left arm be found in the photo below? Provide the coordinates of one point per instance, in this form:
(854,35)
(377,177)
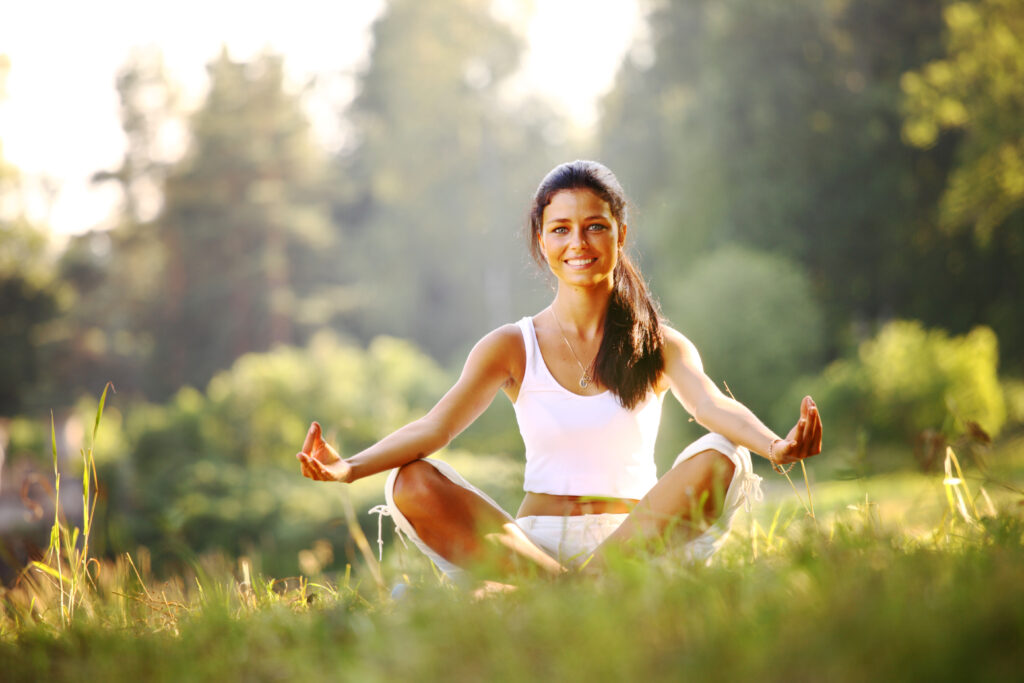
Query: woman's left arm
(730,418)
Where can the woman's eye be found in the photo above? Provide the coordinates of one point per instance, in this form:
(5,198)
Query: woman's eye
(560,229)
(598,226)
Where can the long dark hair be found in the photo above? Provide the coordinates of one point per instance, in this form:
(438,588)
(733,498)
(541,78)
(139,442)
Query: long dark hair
(629,361)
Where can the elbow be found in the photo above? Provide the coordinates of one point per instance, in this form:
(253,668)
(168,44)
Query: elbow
(436,436)
(444,437)
(703,410)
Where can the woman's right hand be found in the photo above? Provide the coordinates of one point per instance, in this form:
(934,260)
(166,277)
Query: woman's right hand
(319,461)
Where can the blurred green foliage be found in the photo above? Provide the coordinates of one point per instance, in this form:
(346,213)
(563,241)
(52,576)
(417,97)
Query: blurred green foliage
(1013,391)
(216,469)
(26,439)
(724,132)
(31,299)
(908,380)
(754,320)
(978,89)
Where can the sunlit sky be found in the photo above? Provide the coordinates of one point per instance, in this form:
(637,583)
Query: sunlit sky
(60,117)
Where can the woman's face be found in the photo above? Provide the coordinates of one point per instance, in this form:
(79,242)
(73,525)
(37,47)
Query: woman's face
(580,238)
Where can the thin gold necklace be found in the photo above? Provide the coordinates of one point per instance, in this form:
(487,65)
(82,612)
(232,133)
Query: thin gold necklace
(587,378)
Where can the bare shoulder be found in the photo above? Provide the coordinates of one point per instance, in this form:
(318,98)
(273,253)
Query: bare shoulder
(501,351)
(679,349)
(505,340)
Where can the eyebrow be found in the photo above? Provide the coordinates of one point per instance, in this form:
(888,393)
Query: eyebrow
(599,216)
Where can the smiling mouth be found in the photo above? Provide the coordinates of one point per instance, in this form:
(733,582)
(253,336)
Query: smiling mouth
(580,261)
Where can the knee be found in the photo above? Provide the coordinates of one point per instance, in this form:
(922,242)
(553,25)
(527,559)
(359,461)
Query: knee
(415,487)
(722,469)
(713,465)
(715,471)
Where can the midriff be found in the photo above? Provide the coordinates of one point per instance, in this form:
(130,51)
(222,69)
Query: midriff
(546,504)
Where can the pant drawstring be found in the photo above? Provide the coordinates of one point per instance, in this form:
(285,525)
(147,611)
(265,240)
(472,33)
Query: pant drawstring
(383,511)
(750,488)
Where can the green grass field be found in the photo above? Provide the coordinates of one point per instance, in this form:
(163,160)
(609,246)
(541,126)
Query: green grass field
(895,578)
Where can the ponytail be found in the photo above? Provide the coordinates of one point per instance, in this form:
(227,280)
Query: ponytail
(630,360)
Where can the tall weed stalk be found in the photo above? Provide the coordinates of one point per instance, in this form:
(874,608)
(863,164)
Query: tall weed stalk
(64,549)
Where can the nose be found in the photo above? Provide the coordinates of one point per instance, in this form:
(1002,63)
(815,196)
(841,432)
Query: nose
(579,238)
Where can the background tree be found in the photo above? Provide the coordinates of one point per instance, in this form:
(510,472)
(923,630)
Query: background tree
(971,100)
(29,292)
(978,90)
(761,140)
(109,335)
(29,301)
(435,185)
(243,213)
(151,119)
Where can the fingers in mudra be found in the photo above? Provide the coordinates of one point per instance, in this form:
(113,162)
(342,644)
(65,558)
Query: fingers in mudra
(813,429)
(311,437)
(312,468)
(316,455)
(804,440)
(317,448)
(307,470)
(816,438)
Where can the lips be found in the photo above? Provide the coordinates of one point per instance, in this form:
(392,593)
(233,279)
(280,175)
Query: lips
(580,262)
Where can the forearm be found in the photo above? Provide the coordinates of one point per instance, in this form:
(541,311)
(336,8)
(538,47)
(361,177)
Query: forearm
(736,422)
(413,441)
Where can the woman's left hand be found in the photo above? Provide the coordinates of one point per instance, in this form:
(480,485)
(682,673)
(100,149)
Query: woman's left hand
(803,440)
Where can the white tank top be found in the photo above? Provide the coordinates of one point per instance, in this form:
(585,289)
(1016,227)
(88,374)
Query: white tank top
(583,445)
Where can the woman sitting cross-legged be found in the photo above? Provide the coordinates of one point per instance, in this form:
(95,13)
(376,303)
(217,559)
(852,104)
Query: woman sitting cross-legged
(587,376)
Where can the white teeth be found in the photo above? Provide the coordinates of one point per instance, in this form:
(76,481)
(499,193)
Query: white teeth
(580,261)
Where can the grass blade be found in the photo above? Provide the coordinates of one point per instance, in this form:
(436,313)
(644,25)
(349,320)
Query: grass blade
(359,537)
(47,569)
(771,530)
(55,530)
(99,412)
(807,485)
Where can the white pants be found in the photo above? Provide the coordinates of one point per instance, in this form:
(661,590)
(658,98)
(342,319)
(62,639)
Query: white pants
(571,540)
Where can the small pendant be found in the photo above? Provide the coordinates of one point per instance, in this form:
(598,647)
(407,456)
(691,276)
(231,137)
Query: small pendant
(584,381)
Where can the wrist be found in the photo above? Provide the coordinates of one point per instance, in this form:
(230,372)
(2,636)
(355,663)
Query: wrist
(773,457)
(353,471)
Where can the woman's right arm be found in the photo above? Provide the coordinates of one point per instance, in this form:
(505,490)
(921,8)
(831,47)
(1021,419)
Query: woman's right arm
(491,365)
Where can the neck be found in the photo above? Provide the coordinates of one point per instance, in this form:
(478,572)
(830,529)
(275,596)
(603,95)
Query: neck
(582,310)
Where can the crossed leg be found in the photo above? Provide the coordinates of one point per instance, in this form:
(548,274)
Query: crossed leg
(469,531)
(463,527)
(687,499)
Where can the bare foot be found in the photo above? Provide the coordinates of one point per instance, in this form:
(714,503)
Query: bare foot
(491,588)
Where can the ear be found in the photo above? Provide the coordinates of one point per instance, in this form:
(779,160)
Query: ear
(622,234)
